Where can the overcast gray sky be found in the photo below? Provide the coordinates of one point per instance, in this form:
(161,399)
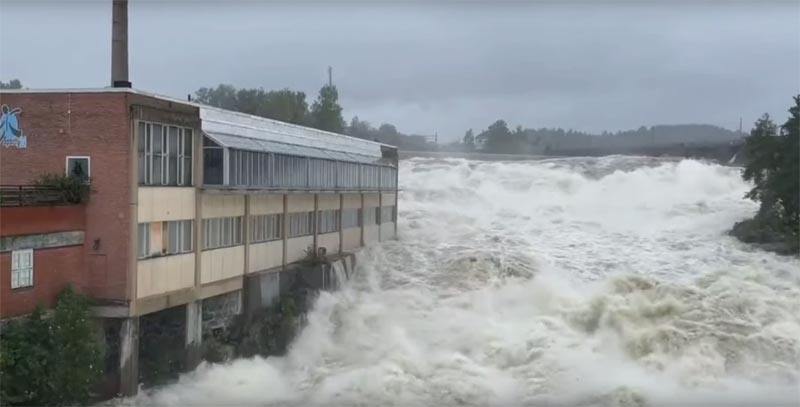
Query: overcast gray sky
(437,68)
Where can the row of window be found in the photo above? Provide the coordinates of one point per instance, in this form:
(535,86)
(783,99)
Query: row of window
(175,237)
(222,232)
(328,221)
(300,224)
(257,169)
(164,154)
(265,228)
(351,218)
(163,238)
(388,214)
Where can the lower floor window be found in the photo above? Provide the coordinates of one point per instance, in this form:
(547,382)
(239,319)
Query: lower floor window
(300,224)
(21,268)
(265,228)
(163,238)
(372,216)
(388,214)
(222,232)
(351,218)
(328,221)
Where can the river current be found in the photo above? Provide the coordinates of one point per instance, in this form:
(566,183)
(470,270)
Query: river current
(602,281)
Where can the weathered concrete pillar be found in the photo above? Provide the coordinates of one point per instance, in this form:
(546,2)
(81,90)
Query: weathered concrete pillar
(194,333)
(129,356)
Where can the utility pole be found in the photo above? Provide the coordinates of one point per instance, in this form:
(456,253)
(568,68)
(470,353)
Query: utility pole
(740,125)
(330,76)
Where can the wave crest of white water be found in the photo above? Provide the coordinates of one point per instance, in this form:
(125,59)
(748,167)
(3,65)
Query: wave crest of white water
(573,281)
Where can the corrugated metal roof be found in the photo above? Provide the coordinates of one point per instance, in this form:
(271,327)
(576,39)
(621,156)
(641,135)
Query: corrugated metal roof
(216,121)
(250,144)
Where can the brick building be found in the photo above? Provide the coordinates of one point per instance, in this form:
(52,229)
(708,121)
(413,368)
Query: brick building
(188,204)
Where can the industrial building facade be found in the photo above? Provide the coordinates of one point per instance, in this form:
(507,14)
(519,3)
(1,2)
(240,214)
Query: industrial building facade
(186,203)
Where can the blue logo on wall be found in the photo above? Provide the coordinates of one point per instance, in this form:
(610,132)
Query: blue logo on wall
(10,133)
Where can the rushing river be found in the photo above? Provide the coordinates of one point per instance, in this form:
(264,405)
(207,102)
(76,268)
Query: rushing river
(570,281)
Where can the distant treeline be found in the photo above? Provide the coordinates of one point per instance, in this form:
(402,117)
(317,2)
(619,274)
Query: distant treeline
(498,138)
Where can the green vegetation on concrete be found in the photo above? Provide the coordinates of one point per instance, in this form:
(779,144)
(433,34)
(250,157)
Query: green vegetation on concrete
(67,188)
(268,332)
(774,168)
(51,359)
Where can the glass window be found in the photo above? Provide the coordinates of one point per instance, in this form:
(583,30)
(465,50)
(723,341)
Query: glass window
(188,148)
(173,236)
(21,268)
(222,232)
(187,238)
(172,155)
(158,151)
(79,167)
(141,142)
(213,165)
(143,231)
(300,224)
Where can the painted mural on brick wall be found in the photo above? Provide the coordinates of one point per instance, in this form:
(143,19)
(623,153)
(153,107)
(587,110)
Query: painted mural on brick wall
(10,132)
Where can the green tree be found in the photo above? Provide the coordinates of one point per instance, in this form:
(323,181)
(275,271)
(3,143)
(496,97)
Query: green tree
(52,360)
(12,84)
(772,166)
(77,355)
(787,187)
(326,114)
(285,105)
(762,148)
(469,140)
(223,96)
(499,139)
(360,128)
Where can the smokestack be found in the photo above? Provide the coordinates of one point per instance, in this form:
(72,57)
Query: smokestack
(119,45)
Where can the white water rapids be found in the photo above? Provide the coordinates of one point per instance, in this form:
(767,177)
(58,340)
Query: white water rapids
(604,281)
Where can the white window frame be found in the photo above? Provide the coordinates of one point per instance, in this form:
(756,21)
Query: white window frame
(89,164)
(149,155)
(143,238)
(17,270)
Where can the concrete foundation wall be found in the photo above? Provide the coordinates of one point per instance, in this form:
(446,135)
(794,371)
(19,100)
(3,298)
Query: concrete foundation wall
(164,274)
(221,264)
(266,255)
(351,238)
(262,290)
(220,312)
(266,204)
(165,203)
(329,241)
(296,248)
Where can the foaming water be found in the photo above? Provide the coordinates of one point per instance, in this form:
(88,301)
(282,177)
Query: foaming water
(604,281)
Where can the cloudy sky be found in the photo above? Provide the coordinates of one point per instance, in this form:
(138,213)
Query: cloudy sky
(438,66)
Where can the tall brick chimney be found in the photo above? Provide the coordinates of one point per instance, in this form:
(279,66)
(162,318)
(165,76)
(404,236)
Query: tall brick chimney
(119,45)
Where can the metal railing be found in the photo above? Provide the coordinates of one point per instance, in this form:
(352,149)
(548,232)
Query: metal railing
(31,195)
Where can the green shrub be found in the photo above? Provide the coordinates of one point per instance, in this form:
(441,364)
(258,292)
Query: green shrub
(51,360)
(69,189)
